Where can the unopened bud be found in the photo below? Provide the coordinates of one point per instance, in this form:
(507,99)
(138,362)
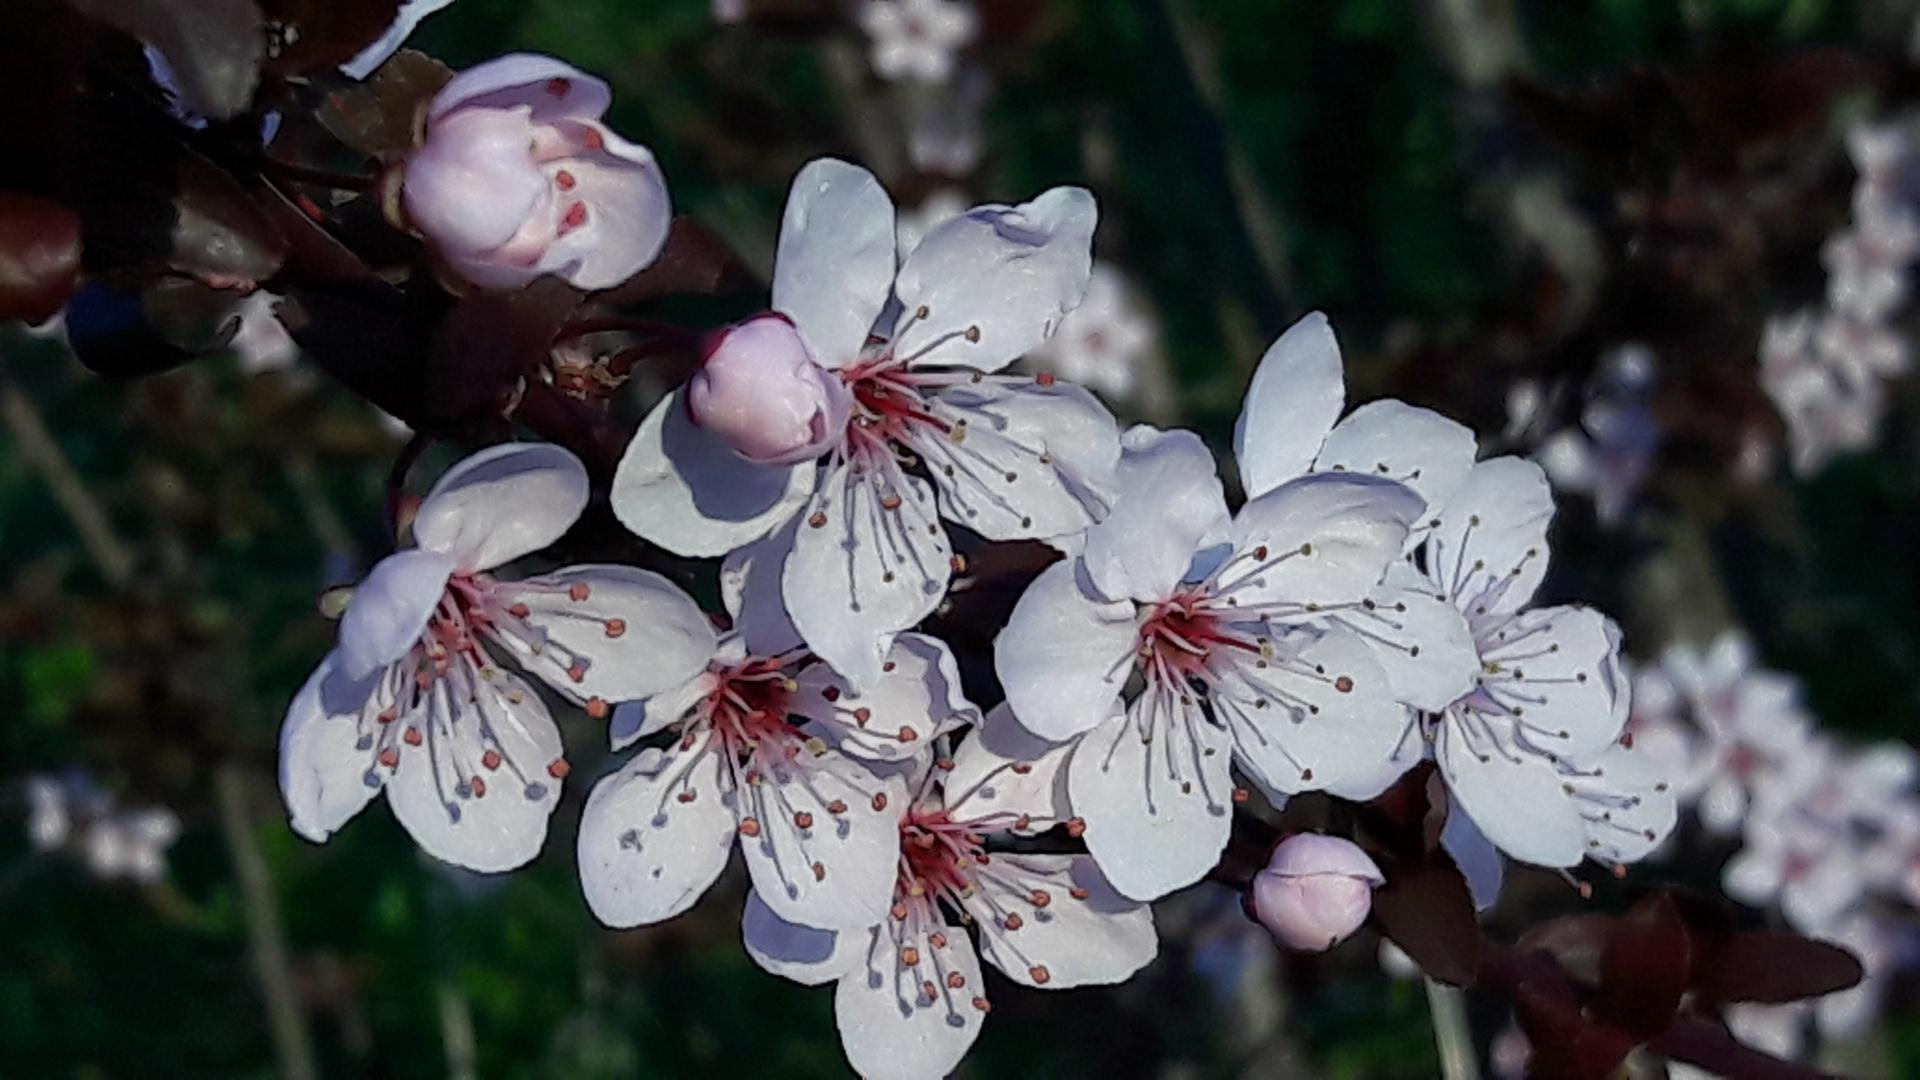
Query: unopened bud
(1315,891)
(761,391)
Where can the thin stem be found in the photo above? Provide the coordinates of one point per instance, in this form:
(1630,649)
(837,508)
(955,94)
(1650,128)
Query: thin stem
(1448,1004)
(39,450)
(266,942)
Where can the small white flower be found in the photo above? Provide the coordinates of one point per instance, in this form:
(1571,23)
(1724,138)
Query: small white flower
(1828,409)
(1751,721)
(1103,343)
(917,39)
(413,701)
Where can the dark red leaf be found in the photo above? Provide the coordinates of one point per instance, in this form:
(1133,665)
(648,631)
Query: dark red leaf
(694,261)
(1426,909)
(1567,1043)
(214,47)
(1774,968)
(1575,942)
(489,342)
(381,117)
(1713,1048)
(108,329)
(1645,967)
(39,256)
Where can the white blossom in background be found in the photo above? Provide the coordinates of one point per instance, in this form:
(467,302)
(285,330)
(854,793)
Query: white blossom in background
(912,224)
(1749,721)
(909,997)
(1103,343)
(1607,457)
(412,700)
(69,814)
(917,39)
(944,132)
(879,370)
(260,341)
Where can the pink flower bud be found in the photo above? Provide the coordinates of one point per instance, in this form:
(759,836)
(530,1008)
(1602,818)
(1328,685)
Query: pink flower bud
(761,391)
(518,178)
(1315,891)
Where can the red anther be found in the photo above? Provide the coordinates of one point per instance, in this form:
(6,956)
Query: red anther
(390,758)
(559,87)
(924,841)
(616,627)
(593,139)
(1586,891)
(929,989)
(910,956)
(558,768)
(578,591)
(803,819)
(1021,768)
(309,207)
(819,871)
(862,714)
(749,826)
(413,736)
(907,734)
(1023,823)
(945,764)
(491,759)
(575,217)
(1078,893)
(982,1004)
(1013,921)
(423,679)
(817,519)
(836,807)
(898,911)
(479,787)
(1343,684)
(389,716)
(597,708)
(1619,871)
(519,611)
(958,563)
(937,939)
(880,801)
(578,671)
(1076,826)
(889,502)
(831,693)
(685,796)
(1045,378)
(1260,552)
(956,980)
(564,180)
(1039,898)
(1040,974)
(1626,741)
(1241,794)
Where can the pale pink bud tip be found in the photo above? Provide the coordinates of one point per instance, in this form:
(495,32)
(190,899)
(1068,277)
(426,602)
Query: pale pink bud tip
(760,391)
(1315,891)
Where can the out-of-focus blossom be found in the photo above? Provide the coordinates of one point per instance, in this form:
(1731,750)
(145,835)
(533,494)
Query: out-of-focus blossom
(260,340)
(1750,721)
(404,20)
(942,120)
(518,178)
(1826,409)
(1314,892)
(917,39)
(68,813)
(413,702)
(729,11)
(1608,457)
(1102,343)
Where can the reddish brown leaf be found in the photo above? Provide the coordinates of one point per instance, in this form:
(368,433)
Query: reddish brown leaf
(694,261)
(1426,909)
(1644,968)
(1713,1048)
(381,117)
(39,256)
(1774,967)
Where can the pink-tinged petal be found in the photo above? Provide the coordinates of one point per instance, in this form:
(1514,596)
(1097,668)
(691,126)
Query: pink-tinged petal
(823,845)
(404,20)
(1478,860)
(805,954)
(1296,394)
(655,835)
(1557,672)
(891,1027)
(501,503)
(1420,639)
(1307,853)
(635,720)
(1319,712)
(505,826)
(1518,800)
(1155,792)
(1064,656)
(869,559)
(550,88)
(684,489)
(1072,927)
(917,697)
(750,591)
(1022,461)
(614,215)
(985,287)
(390,610)
(472,187)
(1170,505)
(1489,551)
(323,763)
(834,266)
(1320,539)
(1006,777)
(1418,447)
(760,390)
(610,632)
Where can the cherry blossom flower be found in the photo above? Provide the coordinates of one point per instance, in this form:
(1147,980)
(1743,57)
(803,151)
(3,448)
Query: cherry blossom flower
(1751,722)
(1609,456)
(1314,892)
(1103,343)
(931,432)
(1826,411)
(909,997)
(412,701)
(768,745)
(69,814)
(917,39)
(518,178)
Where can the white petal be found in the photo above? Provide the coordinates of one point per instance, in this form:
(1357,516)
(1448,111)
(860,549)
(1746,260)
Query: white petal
(648,852)
(501,503)
(1479,861)
(1328,539)
(1064,656)
(834,266)
(1557,671)
(1419,638)
(1157,814)
(507,826)
(390,609)
(805,954)
(635,720)
(1084,933)
(995,281)
(687,491)
(1002,773)
(1295,396)
(1489,550)
(1170,505)
(1517,801)
(404,20)
(1319,712)
(917,697)
(1034,462)
(869,559)
(1418,447)
(1639,811)
(750,590)
(629,211)
(323,765)
(631,634)
(825,847)
(890,1027)
(524,79)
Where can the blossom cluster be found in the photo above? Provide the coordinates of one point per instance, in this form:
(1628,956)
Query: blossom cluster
(1829,834)
(69,814)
